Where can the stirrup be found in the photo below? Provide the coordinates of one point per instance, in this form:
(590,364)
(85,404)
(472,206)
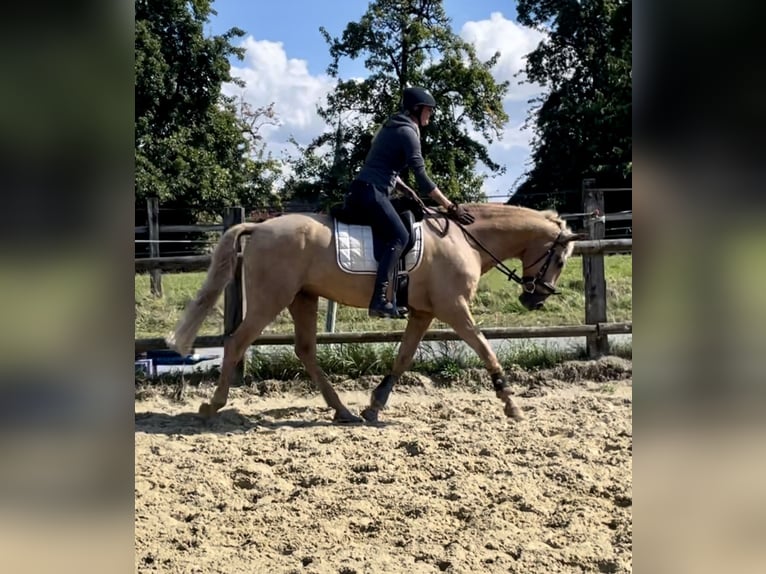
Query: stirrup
(383,313)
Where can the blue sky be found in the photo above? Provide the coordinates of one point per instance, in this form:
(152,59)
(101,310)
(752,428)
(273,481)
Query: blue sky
(287,59)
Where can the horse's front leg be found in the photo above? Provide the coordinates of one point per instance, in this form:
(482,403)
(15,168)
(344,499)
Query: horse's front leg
(417,325)
(459,317)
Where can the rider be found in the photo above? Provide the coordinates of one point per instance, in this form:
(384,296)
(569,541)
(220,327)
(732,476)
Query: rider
(395,146)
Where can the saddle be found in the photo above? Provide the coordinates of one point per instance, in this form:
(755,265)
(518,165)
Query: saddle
(358,251)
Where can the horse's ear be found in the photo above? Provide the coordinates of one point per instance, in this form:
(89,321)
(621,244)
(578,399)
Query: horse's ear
(575,237)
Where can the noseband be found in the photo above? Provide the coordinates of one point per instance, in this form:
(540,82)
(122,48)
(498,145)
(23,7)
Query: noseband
(530,284)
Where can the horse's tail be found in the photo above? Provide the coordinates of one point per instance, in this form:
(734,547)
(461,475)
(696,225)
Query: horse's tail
(220,272)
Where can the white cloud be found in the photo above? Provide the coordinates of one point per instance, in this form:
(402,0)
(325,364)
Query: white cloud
(270,76)
(514,42)
(498,34)
(515,135)
(511,152)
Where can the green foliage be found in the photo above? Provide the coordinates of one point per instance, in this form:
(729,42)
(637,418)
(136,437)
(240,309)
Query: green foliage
(281,365)
(534,355)
(405,42)
(461,369)
(192,148)
(356,359)
(583,122)
(621,349)
(447,361)
(352,360)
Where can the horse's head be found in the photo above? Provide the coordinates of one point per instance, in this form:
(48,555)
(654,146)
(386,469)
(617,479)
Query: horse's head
(543,264)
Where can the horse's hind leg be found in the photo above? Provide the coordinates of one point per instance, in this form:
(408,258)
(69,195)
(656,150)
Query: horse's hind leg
(459,318)
(257,318)
(417,325)
(303,310)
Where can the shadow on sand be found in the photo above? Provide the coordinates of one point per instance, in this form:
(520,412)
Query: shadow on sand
(231,420)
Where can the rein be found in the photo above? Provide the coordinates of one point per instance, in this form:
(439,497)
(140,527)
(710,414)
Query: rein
(527,283)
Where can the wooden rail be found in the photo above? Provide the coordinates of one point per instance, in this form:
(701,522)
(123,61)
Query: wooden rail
(143,345)
(195,228)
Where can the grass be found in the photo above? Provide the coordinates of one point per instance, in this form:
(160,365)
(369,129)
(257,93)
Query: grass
(446,362)
(495,305)
(157,316)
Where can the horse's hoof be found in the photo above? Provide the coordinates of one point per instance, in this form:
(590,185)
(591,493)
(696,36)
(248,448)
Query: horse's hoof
(513,412)
(208,411)
(370,415)
(346,417)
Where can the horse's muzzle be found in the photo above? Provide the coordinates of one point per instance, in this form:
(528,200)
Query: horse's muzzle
(532,301)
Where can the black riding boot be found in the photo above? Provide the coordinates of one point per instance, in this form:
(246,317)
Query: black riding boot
(380,306)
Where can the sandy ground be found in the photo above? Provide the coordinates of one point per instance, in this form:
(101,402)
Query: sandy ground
(443,484)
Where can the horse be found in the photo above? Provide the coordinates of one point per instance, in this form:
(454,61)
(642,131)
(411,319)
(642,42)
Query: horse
(290,262)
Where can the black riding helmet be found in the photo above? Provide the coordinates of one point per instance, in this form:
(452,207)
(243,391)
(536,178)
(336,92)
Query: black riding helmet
(413,98)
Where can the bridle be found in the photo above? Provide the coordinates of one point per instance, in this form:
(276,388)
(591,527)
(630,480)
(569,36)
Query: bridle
(528,283)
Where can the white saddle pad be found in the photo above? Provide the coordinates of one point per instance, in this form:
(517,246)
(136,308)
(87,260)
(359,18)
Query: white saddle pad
(356,254)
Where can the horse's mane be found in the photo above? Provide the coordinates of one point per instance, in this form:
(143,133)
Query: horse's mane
(502,209)
(554,216)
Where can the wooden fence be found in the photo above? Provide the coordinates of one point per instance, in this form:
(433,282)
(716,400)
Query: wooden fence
(595,329)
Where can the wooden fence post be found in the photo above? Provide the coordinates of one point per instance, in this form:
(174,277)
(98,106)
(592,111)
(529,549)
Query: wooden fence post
(153,222)
(593,271)
(332,312)
(233,299)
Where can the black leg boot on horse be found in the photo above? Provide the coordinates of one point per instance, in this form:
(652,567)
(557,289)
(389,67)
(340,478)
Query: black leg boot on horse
(380,305)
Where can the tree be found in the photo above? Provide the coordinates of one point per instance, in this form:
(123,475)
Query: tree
(261,167)
(405,42)
(192,145)
(583,121)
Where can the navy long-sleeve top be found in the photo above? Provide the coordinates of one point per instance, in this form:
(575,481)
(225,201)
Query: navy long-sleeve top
(394,147)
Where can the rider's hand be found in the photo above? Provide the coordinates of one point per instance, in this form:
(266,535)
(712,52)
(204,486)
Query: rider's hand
(459,214)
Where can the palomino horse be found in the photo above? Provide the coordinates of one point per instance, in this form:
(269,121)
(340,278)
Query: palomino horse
(290,262)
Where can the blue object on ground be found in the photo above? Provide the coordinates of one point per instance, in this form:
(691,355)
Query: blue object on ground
(168,358)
